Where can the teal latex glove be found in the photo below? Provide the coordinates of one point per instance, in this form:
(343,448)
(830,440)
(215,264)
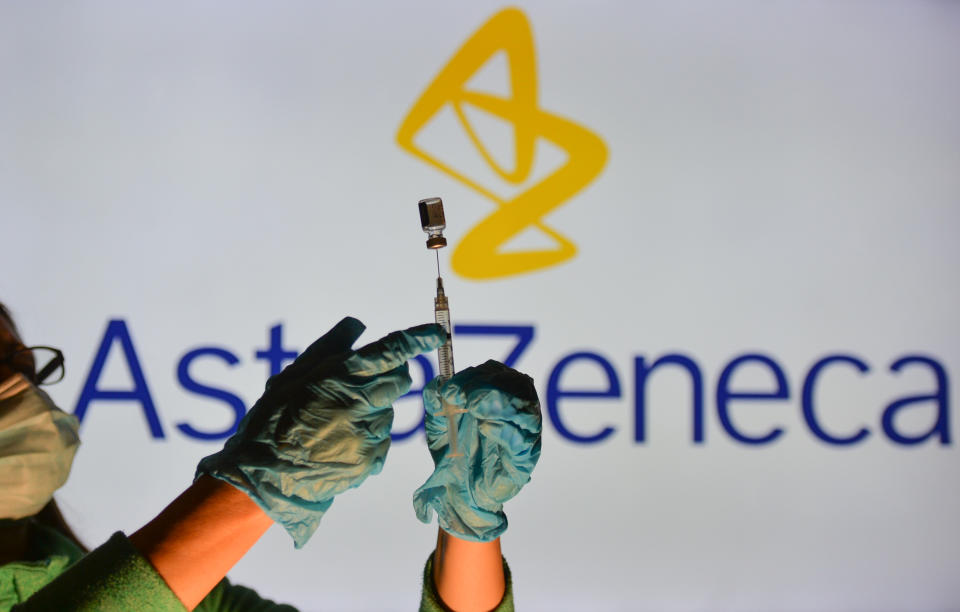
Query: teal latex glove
(499,437)
(322,425)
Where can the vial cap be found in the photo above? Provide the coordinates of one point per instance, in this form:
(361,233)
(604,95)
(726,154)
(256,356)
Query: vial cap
(436,242)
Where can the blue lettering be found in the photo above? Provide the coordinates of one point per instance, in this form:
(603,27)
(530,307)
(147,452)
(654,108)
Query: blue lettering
(117,330)
(640,394)
(809,387)
(275,354)
(555,393)
(234,402)
(942,426)
(427,369)
(724,395)
(523,333)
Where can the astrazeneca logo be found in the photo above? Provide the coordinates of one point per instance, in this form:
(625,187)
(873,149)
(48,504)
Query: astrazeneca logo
(480,254)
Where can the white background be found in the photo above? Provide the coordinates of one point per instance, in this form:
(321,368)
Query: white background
(783,178)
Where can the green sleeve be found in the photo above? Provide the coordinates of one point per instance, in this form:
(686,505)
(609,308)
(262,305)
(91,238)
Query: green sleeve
(431,602)
(114,576)
(227,597)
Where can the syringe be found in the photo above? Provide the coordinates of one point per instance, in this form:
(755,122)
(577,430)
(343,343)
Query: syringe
(433,222)
(441,314)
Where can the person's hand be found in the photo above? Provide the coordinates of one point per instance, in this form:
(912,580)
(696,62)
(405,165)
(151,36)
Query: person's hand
(322,425)
(499,439)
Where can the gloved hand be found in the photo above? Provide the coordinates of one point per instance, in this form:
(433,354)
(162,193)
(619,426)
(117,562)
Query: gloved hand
(322,425)
(499,438)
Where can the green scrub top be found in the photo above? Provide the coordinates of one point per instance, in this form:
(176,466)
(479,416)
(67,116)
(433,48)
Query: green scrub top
(112,577)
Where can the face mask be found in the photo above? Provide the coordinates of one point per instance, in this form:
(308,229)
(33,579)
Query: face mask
(37,445)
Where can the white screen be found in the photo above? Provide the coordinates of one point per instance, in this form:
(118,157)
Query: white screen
(781,184)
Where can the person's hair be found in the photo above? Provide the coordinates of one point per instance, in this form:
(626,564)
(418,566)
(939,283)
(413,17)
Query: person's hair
(6,315)
(50,515)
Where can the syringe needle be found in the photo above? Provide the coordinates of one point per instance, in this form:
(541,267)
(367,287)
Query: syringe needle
(437,251)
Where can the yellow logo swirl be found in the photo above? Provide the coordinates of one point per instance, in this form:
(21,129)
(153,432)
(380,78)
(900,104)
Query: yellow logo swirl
(479,254)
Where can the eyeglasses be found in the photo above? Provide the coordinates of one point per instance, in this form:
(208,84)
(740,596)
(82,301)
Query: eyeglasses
(27,358)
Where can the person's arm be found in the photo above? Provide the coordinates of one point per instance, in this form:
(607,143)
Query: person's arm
(205,530)
(279,466)
(499,441)
(468,576)
(321,427)
(195,540)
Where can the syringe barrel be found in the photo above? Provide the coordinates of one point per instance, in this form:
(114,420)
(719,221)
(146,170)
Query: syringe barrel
(445,352)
